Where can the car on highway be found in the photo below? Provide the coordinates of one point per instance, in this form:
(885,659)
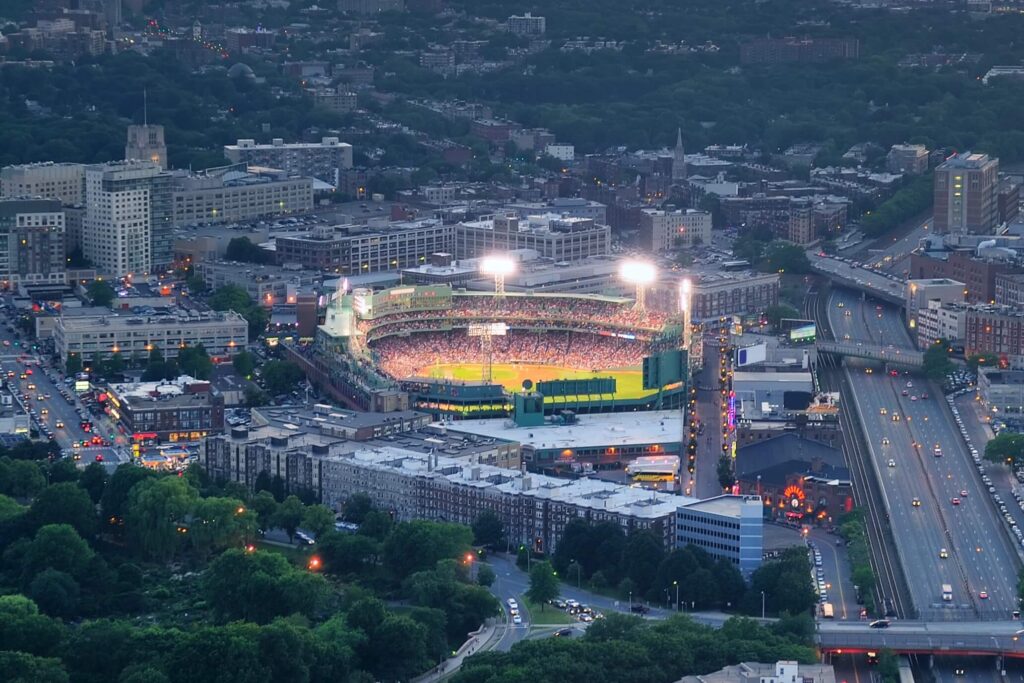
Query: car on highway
(955,501)
(963,494)
(913,398)
(562,633)
(895,417)
(516,619)
(885,441)
(937,451)
(59,425)
(99,457)
(883,411)
(847,314)
(892,463)
(879,623)
(916,502)
(983,595)
(904,392)
(943,553)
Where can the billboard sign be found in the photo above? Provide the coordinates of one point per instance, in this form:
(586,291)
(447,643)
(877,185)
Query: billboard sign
(751,355)
(802,334)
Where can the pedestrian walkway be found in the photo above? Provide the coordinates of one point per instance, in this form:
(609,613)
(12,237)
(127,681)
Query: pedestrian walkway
(481,640)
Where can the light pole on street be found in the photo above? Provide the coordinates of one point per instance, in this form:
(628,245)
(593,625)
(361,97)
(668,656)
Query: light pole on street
(676,584)
(762,605)
(630,602)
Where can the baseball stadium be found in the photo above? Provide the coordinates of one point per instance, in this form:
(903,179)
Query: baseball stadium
(466,353)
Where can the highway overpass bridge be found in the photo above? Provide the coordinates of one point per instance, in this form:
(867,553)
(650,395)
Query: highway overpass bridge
(888,354)
(855,276)
(918,637)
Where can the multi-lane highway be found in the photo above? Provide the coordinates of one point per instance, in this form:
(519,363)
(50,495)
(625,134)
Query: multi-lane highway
(45,394)
(918,488)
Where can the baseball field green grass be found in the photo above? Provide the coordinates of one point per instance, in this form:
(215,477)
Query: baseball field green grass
(628,381)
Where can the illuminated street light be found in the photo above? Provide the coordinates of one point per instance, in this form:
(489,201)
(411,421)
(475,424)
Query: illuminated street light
(499,267)
(641,274)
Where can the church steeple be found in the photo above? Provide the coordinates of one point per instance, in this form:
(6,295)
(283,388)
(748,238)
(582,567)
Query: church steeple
(679,158)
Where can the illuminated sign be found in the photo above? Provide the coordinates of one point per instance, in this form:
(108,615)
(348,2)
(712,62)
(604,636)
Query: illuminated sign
(802,334)
(81,386)
(795,495)
(732,410)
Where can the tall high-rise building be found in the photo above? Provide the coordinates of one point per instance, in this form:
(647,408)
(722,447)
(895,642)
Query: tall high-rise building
(679,158)
(31,242)
(125,202)
(965,194)
(146,143)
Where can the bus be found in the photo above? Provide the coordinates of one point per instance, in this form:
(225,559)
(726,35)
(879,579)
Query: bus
(827,610)
(659,472)
(947,592)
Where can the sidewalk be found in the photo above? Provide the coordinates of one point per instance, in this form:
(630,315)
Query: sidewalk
(480,640)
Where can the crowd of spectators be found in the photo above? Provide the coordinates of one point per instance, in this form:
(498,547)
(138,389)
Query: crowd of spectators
(574,312)
(409,356)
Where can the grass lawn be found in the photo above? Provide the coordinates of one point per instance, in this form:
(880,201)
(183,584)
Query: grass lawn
(551,615)
(628,381)
(294,554)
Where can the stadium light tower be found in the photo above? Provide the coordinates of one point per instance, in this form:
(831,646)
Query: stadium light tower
(498,267)
(685,295)
(641,274)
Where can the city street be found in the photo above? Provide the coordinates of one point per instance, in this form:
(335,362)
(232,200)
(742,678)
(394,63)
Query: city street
(46,381)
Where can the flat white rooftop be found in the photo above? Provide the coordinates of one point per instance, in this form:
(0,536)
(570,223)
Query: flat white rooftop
(605,429)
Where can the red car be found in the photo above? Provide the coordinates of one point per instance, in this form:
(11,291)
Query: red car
(99,458)
(956,501)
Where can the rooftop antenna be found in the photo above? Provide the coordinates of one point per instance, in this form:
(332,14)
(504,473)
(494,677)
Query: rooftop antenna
(145,108)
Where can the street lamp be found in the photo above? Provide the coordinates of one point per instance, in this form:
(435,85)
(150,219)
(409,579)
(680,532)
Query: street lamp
(498,267)
(641,274)
(762,605)
(676,584)
(630,602)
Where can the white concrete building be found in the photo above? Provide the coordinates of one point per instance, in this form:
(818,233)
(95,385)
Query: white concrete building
(222,334)
(527,25)
(117,230)
(666,230)
(47,180)
(561,151)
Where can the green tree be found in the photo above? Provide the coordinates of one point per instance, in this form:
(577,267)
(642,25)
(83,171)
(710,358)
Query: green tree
(20,667)
(93,481)
(783,257)
(643,553)
(397,649)
(319,519)
(1007,448)
(488,529)
(289,515)
(254,398)
(265,507)
(59,547)
(156,515)
(377,525)
(725,473)
(345,554)
(356,507)
(888,666)
(64,503)
(229,654)
(936,360)
(20,478)
(259,586)
(73,365)
(420,544)
(543,584)
(775,314)
(281,377)
(101,293)
(24,629)
(114,365)
(9,508)
(195,362)
(485,576)
(244,363)
(115,495)
(219,523)
(55,592)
